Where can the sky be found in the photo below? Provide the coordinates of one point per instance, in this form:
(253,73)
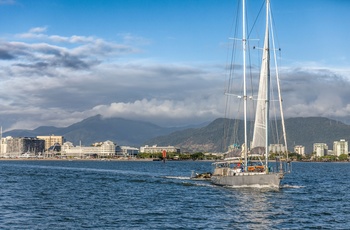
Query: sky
(161,61)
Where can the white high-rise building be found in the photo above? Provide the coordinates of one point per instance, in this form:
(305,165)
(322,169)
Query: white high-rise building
(277,148)
(299,149)
(340,147)
(321,149)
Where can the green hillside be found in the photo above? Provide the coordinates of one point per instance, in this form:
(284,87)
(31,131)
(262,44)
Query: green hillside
(300,131)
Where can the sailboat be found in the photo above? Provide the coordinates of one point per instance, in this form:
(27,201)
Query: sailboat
(236,169)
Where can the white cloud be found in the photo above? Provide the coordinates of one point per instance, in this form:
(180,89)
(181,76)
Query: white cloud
(49,81)
(167,96)
(321,91)
(37,29)
(45,83)
(165,112)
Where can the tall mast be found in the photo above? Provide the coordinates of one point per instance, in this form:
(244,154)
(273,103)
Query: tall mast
(244,44)
(267,101)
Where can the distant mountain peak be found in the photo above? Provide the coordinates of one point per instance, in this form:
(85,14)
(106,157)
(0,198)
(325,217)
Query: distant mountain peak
(300,131)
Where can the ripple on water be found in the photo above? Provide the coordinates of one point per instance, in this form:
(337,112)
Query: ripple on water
(153,195)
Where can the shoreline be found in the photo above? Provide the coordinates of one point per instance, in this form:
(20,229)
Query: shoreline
(97,159)
(136,159)
(60,159)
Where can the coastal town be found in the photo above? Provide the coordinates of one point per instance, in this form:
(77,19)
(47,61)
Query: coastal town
(56,147)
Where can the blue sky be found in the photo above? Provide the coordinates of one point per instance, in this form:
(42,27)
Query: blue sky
(161,61)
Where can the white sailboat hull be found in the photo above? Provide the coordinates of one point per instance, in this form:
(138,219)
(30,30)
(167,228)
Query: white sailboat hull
(248,180)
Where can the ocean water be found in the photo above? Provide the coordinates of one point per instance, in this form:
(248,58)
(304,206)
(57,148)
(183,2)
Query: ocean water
(157,195)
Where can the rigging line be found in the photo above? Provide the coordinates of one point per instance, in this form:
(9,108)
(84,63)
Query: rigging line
(235,138)
(252,115)
(252,94)
(230,77)
(256,19)
(227,123)
(273,25)
(230,61)
(274,125)
(230,64)
(231,73)
(234,134)
(278,86)
(274,122)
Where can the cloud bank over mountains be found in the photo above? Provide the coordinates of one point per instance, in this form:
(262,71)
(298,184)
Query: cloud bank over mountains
(57,80)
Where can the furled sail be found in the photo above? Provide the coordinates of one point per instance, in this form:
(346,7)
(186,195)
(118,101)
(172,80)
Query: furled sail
(260,134)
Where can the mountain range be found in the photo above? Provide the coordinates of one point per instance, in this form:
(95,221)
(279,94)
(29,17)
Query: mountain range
(205,137)
(300,131)
(98,129)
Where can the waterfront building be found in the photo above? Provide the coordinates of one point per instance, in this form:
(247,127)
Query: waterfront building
(299,149)
(330,152)
(340,147)
(158,149)
(104,149)
(16,146)
(321,149)
(277,148)
(51,140)
(126,151)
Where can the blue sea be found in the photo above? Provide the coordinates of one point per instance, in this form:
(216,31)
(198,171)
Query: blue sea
(156,195)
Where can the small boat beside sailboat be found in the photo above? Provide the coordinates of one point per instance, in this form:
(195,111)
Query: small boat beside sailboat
(201,176)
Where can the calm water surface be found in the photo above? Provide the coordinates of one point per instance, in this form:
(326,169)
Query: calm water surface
(154,195)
